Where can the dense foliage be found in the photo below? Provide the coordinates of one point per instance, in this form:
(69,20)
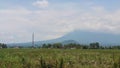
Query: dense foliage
(2,45)
(94,45)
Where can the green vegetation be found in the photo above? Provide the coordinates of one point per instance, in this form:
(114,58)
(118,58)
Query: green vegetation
(94,45)
(59,58)
(2,45)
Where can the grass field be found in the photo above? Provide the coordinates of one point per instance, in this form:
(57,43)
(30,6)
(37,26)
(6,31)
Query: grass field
(59,58)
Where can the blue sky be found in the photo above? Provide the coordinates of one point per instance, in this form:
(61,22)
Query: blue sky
(27,3)
(50,19)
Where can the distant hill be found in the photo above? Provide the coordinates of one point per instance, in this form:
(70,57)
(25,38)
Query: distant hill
(86,37)
(39,43)
(82,37)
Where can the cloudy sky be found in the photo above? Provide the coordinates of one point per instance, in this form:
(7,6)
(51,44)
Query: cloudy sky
(50,19)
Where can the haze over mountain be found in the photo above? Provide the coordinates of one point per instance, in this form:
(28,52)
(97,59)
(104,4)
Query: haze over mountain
(82,37)
(86,37)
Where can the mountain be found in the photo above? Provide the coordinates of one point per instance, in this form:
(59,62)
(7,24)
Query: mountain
(86,37)
(82,37)
(39,43)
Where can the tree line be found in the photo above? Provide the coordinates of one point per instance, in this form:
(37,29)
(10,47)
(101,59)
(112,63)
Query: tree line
(94,45)
(2,45)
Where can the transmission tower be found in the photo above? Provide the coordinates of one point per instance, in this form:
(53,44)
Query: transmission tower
(33,44)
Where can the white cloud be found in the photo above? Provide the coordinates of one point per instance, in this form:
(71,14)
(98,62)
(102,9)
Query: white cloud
(41,3)
(17,25)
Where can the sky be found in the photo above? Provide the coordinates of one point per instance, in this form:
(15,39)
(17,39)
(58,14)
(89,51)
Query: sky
(50,19)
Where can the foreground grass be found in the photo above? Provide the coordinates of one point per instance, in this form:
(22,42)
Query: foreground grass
(59,58)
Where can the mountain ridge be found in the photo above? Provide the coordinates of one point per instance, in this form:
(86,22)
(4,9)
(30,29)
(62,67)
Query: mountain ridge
(81,37)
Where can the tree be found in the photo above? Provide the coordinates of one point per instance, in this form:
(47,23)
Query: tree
(2,45)
(57,45)
(44,46)
(94,45)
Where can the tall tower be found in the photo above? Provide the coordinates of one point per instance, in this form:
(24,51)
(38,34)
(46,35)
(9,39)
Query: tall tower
(33,40)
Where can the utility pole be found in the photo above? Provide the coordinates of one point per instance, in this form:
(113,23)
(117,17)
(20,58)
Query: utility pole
(33,40)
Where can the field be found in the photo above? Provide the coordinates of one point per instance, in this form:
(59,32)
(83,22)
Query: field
(59,58)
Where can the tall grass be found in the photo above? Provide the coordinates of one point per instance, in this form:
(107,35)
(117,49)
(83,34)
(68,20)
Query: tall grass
(59,58)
